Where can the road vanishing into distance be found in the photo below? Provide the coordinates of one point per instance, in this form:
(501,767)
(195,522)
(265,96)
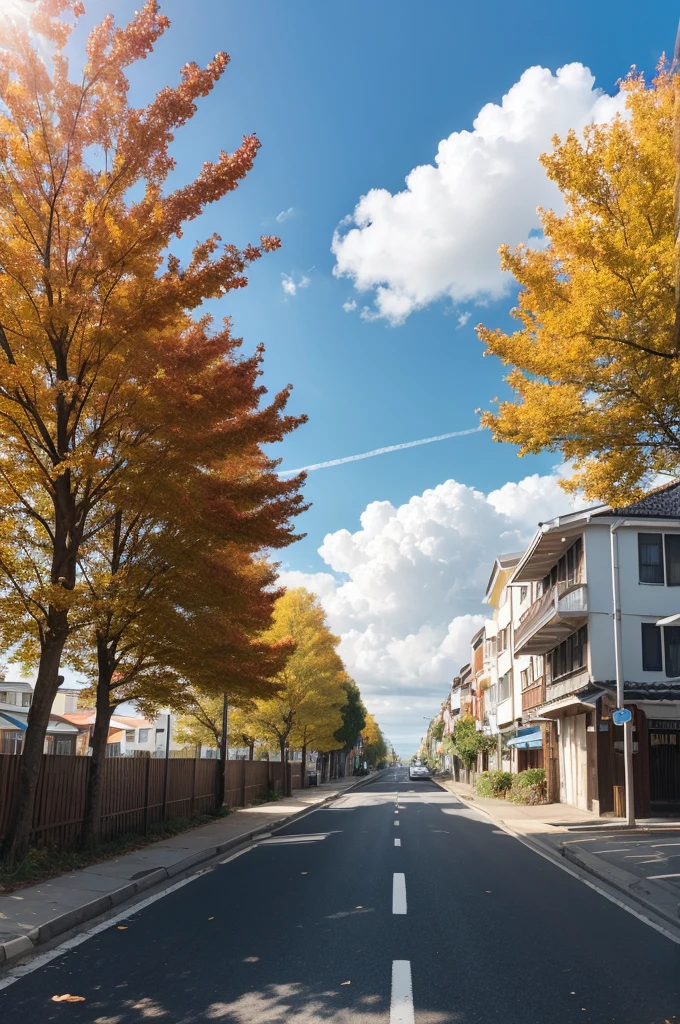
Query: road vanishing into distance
(395,904)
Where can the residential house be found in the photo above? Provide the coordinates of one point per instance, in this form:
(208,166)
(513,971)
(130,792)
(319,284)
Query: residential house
(15,700)
(567,633)
(499,653)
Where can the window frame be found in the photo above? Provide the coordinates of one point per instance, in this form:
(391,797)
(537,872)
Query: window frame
(651,629)
(642,534)
(675,631)
(675,539)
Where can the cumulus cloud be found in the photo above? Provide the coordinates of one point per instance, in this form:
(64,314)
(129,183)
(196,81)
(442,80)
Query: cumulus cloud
(439,237)
(285,215)
(463,319)
(404,592)
(291,286)
(349,306)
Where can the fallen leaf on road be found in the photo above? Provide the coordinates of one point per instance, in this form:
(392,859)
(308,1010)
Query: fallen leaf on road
(304,872)
(251,959)
(345,983)
(122,927)
(211,918)
(488,890)
(67,998)
(359,907)
(572,993)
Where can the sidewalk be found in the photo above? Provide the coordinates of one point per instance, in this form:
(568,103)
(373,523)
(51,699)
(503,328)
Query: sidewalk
(643,863)
(38,913)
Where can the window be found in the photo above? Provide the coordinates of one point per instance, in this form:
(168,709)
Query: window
(63,747)
(129,735)
(26,699)
(650,557)
(671,644)
(8,697)
(537,663)
(570,656)
(504,687)
(113,749)
(672,543)
(143,735)
(524,678)
(70,703)
(523,591)
(651,648)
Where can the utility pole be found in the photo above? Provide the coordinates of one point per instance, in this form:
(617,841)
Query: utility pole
(620,695)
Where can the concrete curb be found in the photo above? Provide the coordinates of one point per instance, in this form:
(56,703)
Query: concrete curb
(14,947)
(616,878)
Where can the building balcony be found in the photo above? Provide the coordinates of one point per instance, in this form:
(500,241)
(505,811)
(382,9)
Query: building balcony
(534,695)
(556,614)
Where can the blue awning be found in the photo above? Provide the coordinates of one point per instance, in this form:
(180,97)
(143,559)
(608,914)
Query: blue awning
(16,722)
(527,739)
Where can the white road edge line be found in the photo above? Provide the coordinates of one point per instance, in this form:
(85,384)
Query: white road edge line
(398,893)
(396,821)
(397,842)
(591,885)
(401,1002)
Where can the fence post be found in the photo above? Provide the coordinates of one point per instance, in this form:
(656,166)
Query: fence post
(243,787)
(146,794)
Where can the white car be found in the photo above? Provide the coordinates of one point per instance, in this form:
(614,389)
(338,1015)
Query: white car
(418,771)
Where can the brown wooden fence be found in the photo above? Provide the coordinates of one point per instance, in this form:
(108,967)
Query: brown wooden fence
(137,792)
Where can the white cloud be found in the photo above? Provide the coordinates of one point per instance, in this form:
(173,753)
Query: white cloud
(291,286)
(463,319)
(404,592)
(349,306)
(285,215)
(439,237)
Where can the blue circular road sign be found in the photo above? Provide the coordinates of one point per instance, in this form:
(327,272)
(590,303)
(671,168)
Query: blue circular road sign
(621,716)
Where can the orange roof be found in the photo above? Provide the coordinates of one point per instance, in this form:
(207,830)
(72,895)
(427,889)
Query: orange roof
(81,717)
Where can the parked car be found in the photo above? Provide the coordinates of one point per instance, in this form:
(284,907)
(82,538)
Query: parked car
(418,771)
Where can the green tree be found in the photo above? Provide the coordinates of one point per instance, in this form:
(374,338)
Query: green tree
(467,741)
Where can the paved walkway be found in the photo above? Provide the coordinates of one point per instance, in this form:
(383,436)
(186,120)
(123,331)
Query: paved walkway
(643,863)
(37,913)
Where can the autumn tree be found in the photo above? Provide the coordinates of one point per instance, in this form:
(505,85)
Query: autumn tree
(307,704)
(375,748)
(89,295)
(201,723)
(595,361)
(183,543)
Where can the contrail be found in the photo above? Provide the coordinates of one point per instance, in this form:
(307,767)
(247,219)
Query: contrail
(379,451)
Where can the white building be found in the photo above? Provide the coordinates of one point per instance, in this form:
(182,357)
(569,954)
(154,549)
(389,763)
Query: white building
(564,652)
(15,701)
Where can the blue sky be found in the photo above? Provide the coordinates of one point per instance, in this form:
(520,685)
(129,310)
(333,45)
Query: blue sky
(347,98)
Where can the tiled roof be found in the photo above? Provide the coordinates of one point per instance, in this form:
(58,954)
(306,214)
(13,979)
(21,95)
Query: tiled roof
(661,503)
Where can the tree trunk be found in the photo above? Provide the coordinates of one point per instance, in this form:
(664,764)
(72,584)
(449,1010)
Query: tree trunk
(303,769)
(284,768)
(251,751)
(93,800)
(16,842)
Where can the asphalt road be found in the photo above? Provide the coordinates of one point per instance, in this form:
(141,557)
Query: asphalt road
(332,920)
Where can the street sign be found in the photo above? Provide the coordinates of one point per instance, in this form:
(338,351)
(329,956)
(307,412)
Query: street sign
(621,716)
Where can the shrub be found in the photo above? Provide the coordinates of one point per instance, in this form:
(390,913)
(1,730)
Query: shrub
(494,783)
(529,787)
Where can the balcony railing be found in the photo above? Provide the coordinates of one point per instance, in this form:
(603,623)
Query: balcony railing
(551,618)
(534,695)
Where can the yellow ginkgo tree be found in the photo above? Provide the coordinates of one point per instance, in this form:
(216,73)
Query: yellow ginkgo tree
(595,360)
